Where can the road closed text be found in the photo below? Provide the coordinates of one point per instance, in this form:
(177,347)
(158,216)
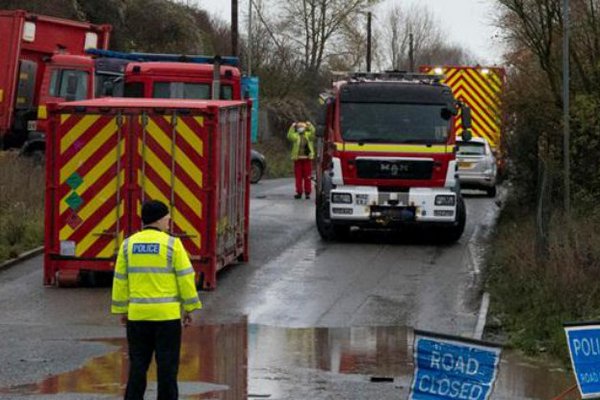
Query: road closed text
(438,384)
(449,369)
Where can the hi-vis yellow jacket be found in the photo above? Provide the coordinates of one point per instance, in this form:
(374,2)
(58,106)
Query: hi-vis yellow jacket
(153,278)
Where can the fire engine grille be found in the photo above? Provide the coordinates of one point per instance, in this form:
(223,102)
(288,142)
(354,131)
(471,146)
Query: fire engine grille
(394,169)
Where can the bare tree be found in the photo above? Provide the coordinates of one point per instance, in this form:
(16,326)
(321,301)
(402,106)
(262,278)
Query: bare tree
(429,46)
(311,26)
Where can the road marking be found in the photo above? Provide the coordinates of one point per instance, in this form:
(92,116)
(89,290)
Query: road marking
(481,320)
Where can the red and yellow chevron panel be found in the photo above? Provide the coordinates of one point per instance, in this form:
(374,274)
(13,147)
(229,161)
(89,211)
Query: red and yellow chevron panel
(481,89)
(107,156)
(90,184)
(172,169)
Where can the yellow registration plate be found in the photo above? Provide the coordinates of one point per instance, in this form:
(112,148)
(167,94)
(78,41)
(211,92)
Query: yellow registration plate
(465,165)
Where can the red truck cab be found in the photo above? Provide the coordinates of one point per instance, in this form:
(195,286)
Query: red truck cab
(386,156)
(31,42)
(180,80)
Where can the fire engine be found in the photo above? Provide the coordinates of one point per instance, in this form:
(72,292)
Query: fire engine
(386,155)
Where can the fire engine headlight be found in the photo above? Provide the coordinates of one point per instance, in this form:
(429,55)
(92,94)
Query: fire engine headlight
(445,200)
(341,198)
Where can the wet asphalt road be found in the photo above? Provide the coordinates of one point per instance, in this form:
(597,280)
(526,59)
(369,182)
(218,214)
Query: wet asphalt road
(294,283)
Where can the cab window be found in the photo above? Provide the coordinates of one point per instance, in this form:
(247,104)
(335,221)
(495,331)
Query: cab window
(226,92)
(69,84)
(181,90)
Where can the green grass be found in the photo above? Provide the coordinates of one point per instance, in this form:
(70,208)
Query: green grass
(533,296)
(277,154)
(21,205)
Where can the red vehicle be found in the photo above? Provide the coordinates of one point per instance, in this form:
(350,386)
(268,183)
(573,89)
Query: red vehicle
(42,60)
(178,80)
(387,156)
(107,156)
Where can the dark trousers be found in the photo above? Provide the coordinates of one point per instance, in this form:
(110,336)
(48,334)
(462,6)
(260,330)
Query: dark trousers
(302,171)
(145,338)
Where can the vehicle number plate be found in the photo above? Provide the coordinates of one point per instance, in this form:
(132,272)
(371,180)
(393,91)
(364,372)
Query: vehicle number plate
(465,165)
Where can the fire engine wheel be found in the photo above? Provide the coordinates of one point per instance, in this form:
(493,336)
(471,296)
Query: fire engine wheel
(453,233)
(67,278)
(328,230)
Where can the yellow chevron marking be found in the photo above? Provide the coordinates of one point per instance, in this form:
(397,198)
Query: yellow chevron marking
(108,161)
(64,117)
(102,226)
(165,173)
(191,137)
(484,89)
(75,132)
(475,105)
(393,148)
(487,99)
(107,193)
(180,157)
(88,150)
(153,192)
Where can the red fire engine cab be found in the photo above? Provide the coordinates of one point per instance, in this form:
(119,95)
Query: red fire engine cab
(386,155)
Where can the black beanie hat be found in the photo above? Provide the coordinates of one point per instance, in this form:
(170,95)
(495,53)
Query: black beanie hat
(153,210)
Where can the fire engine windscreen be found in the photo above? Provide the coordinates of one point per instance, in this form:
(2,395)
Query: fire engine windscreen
(394,122)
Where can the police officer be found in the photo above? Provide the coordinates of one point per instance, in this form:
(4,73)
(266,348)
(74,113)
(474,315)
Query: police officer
(153,279)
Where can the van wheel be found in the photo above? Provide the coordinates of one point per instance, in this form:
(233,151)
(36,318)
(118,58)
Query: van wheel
(491,192)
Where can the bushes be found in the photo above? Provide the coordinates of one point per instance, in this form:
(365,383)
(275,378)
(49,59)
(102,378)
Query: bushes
(533,297)
(21,205)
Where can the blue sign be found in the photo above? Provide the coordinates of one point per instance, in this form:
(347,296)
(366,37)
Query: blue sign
(250,86)
(146,248)
(584,346)
(448,367)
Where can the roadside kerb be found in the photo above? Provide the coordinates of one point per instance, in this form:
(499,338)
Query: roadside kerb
(21,257)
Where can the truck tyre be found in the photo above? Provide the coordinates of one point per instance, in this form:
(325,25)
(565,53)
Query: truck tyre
(452,233)
(328,230)
(491,192)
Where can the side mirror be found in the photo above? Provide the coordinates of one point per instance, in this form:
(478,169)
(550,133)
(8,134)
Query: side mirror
(108,88)
(467,135)
(321,121)
(466,116)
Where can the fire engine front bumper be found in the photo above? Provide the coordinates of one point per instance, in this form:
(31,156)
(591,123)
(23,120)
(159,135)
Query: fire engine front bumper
(366,205)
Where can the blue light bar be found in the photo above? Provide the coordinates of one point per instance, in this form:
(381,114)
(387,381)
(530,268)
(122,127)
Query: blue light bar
(232,61)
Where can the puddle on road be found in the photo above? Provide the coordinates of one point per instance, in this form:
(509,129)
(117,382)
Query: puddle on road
(216,358)
(213,366)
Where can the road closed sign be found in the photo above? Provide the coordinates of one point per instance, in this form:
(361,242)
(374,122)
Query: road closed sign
(583,340)
(448,367)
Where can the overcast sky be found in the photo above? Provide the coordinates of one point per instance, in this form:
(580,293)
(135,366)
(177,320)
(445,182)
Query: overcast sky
(469,22)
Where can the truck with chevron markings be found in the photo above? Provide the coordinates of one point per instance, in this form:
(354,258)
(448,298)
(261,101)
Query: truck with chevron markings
(386,155)
(481,88)
(105,157)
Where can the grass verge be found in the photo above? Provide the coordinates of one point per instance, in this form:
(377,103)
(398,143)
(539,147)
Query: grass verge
(533,295)
(21,205)
(277,153)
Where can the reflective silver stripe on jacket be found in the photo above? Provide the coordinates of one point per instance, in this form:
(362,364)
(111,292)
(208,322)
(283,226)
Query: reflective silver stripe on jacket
(184,272)
(150,270)
(153,300)
(122,277)
(170,248)
(125,256)
(119,303)
(193,300)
